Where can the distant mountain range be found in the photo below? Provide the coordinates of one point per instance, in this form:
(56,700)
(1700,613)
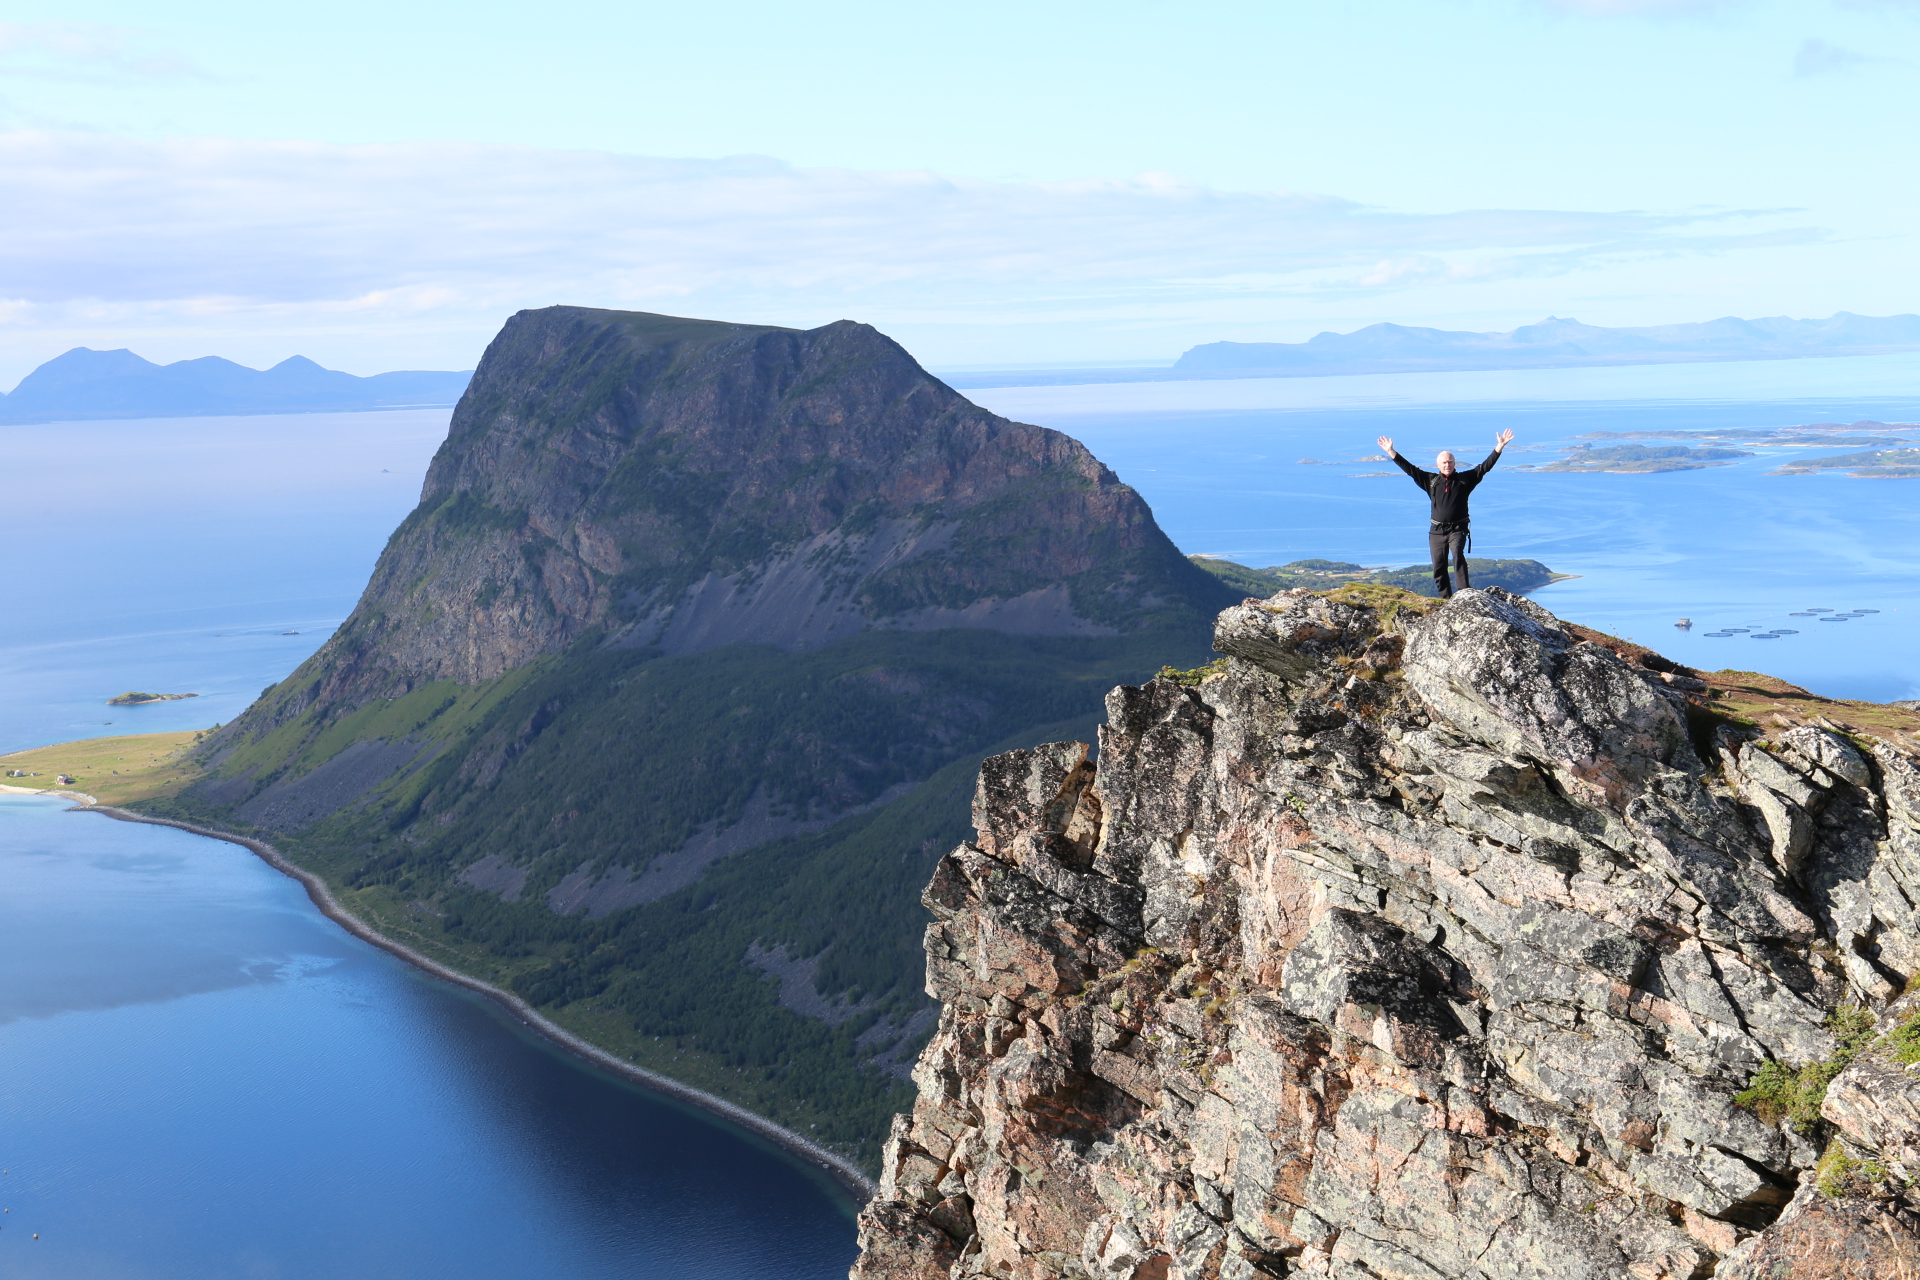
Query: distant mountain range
(85,383)
(1396,348)
(1553,343)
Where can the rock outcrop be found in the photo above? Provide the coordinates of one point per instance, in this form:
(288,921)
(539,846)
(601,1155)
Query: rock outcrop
(1416,941)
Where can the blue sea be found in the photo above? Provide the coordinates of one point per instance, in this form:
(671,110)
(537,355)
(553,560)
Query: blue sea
(202,1077)
(1723,546)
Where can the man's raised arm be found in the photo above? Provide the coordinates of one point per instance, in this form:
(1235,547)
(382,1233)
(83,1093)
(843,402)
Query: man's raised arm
(1500,442)
(1419,477)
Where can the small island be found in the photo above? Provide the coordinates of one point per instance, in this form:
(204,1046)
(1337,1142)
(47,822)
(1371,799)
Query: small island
(131,699)
(1513,575)
(1875,464)
(1640,459)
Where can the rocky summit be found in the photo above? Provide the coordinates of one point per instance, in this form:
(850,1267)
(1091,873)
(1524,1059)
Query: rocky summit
(1425,941)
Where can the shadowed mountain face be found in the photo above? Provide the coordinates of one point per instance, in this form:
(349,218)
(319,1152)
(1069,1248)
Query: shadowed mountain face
(84,384)
(662,702)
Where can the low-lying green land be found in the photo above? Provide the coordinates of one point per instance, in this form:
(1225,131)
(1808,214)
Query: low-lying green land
(144,766)
(1639,459)
(1319,575)
(1876,464)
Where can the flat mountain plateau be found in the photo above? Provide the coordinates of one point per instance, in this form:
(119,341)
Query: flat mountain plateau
(1425,940)
(661,706)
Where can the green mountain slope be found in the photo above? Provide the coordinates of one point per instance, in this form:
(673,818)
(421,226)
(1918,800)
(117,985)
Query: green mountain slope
(662,705)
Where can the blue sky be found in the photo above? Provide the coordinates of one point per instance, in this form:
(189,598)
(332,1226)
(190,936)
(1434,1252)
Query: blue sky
(379,185)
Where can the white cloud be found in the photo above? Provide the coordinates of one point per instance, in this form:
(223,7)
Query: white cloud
(123,230)
(1818,58)
(87,52)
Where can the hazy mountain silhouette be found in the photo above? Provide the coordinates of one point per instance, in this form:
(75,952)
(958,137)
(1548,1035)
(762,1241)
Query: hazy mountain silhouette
(85,383)
(1391,348)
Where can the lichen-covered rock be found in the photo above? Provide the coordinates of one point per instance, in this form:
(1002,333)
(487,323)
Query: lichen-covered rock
(1420,942)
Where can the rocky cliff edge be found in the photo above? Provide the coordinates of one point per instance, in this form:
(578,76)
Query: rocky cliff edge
(1427,941)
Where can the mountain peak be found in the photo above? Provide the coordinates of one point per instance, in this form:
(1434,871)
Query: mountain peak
(81,365)
(680,483)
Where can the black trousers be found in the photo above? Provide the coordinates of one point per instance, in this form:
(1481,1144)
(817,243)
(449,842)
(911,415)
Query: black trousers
(1442,545)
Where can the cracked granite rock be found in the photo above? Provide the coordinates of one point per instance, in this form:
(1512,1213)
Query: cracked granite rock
(1422,942)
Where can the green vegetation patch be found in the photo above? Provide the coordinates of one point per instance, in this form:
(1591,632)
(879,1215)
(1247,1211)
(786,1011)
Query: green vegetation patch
(142,766)
(1874,464)
(1779,1092)
(1640,459)
(1196,675)
(1841,1174)
(1518,576)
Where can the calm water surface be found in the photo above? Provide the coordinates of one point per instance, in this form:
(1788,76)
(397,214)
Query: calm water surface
(201,1077)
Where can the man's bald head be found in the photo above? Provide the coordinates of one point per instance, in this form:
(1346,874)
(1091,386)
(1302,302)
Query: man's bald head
(1444,462)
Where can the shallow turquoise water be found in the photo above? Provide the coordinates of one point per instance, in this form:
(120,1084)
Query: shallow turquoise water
(201,1077)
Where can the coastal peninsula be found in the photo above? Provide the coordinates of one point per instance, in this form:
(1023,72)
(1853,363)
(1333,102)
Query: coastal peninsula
(118,770)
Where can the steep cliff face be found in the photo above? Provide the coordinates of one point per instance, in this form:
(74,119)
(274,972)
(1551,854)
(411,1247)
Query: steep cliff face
(683,484)
(1423,941)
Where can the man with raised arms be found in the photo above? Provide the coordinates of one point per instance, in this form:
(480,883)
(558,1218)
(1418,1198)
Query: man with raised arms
(1448,533)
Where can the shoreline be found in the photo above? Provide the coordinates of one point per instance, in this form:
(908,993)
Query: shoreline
(850,1179)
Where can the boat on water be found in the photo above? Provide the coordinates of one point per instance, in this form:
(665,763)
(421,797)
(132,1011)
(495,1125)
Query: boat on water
(1685,624)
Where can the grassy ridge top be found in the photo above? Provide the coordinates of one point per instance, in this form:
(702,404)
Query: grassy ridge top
(1518,576)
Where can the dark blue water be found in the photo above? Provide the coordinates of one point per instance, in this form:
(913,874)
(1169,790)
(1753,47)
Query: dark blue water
(201,1077)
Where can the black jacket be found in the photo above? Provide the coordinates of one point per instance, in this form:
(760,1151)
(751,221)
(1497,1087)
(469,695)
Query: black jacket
(1449,493)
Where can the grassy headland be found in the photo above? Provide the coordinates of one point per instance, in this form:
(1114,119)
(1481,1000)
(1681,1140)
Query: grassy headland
(141,766)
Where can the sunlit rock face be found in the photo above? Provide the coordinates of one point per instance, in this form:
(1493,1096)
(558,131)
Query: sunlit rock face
(1412,944)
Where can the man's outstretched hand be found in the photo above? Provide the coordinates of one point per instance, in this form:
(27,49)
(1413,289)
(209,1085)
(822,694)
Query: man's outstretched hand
(1505,438)
(1386,444)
